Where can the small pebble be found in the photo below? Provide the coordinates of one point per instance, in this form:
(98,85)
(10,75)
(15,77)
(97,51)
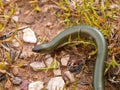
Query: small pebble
(29,36)
(37,65)
(38,85)
(48,60)
(23,55)
(17,80)
(56,83)
(57,72)
(70,76)
(84,83)
(65,59)
(17,12)
(15,18)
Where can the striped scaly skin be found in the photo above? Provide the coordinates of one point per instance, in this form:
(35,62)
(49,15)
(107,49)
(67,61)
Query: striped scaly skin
(82,31)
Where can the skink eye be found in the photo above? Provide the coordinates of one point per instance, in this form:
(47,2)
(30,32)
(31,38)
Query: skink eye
(36,49)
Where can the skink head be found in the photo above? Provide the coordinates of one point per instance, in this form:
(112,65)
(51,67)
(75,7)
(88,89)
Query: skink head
(42,48)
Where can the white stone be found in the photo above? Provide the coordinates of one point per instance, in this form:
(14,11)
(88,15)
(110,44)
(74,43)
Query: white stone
(29,36)
(17,12)
(48,60)
(65,59)
(37,65)
(38,85)
(57,72)
(15,18)
(56,83)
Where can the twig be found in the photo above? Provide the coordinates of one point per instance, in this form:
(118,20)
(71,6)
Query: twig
(6,48)
(5,72)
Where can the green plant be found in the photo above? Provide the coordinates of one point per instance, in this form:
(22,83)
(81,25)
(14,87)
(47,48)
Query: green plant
(99,15)
(112,64)
(87,12)
(52,66)
(34,4)
(6,17)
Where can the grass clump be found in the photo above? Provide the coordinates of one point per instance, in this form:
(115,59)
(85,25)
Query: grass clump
(7,11)
(101,14)
(89,13)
